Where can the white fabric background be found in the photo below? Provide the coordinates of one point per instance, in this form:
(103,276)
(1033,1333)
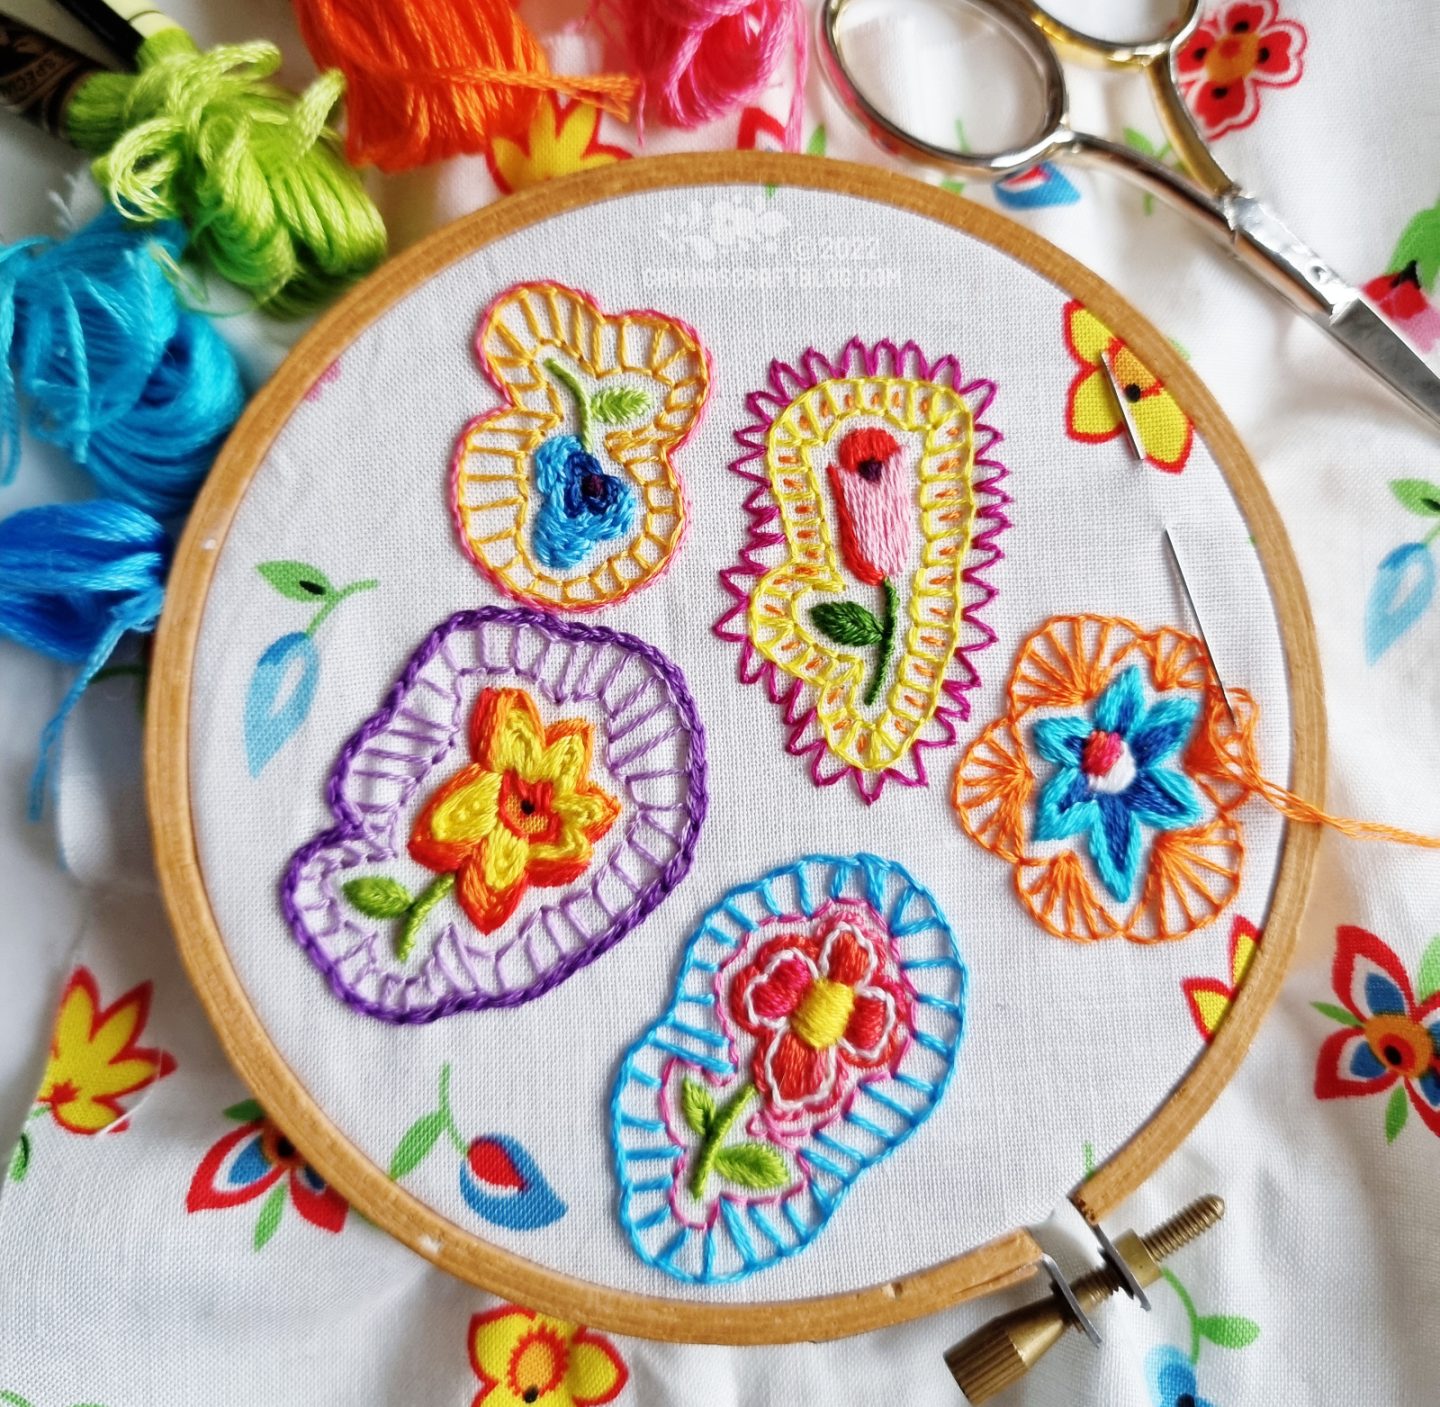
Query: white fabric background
(109,1295)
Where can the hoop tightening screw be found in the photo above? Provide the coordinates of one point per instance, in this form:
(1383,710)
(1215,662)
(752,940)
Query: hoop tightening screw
(998,1354)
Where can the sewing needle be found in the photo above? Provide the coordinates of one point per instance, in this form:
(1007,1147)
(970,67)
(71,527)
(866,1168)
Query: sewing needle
(1200,628)
(1122,404)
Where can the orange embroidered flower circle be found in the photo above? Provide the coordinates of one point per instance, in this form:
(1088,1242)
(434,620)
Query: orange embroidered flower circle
(1092,413)
(524,1359)
(523,812)
(1192,869)
(95,1058)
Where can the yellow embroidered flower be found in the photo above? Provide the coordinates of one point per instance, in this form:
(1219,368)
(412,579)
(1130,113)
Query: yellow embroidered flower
(1092,413)
(524,1359)
(523,812)
(94,1058)
(563,137)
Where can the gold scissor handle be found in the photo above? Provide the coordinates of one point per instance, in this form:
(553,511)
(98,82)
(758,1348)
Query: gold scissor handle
(1153,57)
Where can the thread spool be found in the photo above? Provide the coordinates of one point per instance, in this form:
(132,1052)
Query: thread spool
(429,79)
(254,172)
(701,59)
(75,578)
(138,390)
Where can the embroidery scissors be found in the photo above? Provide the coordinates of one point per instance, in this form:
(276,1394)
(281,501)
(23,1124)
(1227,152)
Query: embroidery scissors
(1205,191)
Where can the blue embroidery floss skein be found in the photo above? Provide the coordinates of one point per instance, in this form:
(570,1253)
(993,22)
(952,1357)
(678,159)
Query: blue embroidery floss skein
(138,390)
(74,579)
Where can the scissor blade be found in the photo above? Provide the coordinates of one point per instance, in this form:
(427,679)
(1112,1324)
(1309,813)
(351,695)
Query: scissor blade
(1366,335)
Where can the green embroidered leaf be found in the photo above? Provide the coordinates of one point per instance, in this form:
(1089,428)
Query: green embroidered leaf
(1337,1013)
(270,1215)
(1427,983)
(20,1162)
(245,1112)
(1228,1330)
(816,145)
(754,1165)
(697,1104)
(419,1139)
(297,580)
(1420,245)
(1396,1112)
(617,404)
(378,896)
(1418,496)
(847,623)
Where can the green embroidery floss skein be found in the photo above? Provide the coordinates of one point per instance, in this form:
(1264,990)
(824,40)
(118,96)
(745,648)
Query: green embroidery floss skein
(256,173)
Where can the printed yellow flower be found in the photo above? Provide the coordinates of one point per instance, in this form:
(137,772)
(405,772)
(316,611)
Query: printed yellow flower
(523,812)
(94,1058)
(564,137)
(1092,413)
(524,1359)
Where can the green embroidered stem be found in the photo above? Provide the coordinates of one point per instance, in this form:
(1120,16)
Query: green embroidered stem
(567,379)
(715,1136)
(438,888)
(447,1114)
(886,644)
(323,613)
(1191,1313)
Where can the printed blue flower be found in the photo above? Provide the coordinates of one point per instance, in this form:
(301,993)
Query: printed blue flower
(1403,589)
(1109,779)
(1171,1377)
(581,504)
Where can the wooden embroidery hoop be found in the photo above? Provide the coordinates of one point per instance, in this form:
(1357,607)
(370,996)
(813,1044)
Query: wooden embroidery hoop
(999,1263)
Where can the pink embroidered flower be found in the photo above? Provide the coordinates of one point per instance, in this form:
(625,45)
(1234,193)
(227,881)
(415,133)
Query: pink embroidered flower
(826,1008)
(875,498)
(1235,51)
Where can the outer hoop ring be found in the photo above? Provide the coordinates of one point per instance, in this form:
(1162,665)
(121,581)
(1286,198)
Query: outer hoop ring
(1001,1262)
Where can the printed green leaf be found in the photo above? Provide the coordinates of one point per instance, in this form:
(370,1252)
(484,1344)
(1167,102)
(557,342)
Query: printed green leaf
(1228,1330)
(270,1215)
(1088,1153)
(617,404)
(20,1162)
(419,1139)
(1420,245)
(754,1165)
(954,187)
(1396,1112)
(816,145)
(1138,141)
(1337,1013)
(378,896)
(245,1112)
(1417,496)
(697,1104)
(847,623)
(297,580)
(1427,983)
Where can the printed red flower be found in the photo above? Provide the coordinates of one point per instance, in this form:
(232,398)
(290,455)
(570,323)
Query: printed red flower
(1401,298)
(828,1008)
(252,1160)
(1235,51)
(524,1359)
(1387,1034)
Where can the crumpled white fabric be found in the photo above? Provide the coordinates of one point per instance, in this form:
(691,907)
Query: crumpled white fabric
(1330,1242)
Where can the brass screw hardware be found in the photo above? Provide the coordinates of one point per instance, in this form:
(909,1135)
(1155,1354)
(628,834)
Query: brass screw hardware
(998,1354)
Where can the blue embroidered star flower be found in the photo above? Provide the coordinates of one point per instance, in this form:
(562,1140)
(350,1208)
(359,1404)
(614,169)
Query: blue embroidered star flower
(1110,780)
(1171,1377)
(581,504)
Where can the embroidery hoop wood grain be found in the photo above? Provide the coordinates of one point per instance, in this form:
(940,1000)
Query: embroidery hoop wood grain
(999,1263)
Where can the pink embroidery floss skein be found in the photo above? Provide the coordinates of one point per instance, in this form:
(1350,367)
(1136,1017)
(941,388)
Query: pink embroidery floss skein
(701,59)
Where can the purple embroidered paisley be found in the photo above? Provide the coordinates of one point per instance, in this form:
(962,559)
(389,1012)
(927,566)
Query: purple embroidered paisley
(448,805)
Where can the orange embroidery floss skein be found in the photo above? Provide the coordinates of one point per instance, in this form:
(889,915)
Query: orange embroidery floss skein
(430,79)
